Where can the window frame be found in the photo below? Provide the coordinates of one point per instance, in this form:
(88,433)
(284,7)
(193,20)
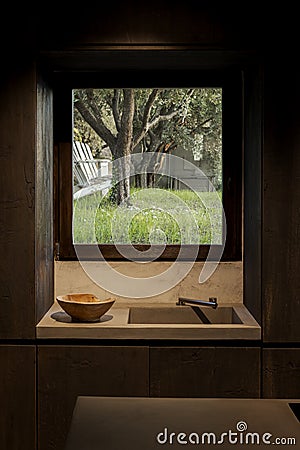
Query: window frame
(229,79)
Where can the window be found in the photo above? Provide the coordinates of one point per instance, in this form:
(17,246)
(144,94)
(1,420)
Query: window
(206,134)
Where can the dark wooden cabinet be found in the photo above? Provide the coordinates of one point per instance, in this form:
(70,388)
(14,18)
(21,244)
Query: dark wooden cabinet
(281,373)
(17,394)
(205,372)
(66,372)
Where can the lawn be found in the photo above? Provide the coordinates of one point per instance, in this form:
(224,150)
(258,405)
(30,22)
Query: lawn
(151,216)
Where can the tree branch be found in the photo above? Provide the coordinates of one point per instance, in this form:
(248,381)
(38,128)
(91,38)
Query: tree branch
(95,121)
(155,122)
(162,117)
(146,116)
(148,106)
(115,108)
(197,128)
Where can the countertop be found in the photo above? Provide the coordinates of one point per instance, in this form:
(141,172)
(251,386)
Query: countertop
(148,423)
(56,324)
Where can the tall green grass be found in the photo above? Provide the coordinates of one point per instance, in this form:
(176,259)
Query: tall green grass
(150,216)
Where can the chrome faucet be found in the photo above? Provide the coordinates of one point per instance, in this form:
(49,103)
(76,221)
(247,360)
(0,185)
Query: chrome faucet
(187,301)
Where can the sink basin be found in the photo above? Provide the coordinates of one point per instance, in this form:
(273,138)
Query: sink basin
(223,314)
(228,321)
(183,315)
(167,315)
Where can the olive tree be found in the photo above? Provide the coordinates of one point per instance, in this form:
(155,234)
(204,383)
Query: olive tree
(150,120)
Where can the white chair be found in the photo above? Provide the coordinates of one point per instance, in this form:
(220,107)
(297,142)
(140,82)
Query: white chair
(91,174)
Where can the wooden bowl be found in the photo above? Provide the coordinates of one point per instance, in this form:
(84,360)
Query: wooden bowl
(84,307)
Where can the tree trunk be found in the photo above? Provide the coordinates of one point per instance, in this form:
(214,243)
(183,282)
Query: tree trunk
(123,149)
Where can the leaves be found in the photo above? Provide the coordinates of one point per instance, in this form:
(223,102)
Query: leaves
(188,117)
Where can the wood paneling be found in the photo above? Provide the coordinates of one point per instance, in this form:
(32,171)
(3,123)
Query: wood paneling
(281,231)
(205,372)
(44,201)
(252,189)
(17,394)
(133,23)
(17,203)
(26,152)
(63,137)
(68,371)
(281,373)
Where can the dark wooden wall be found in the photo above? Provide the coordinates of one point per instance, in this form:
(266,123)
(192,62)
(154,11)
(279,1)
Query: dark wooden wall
(159,22)
(26,223)
(26,267)
(44,227)
(280,231)
(17,199)
(253,137)
(281,197)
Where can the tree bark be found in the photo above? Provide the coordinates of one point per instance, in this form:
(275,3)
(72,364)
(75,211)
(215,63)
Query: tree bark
(87,109)
(123,147)
(126,139)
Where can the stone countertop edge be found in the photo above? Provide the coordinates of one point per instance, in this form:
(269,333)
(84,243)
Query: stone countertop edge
(115,326)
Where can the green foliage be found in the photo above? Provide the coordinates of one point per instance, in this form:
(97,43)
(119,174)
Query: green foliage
(196,126)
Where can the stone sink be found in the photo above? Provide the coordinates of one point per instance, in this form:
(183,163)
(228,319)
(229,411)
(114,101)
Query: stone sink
(155,322)
(185,315)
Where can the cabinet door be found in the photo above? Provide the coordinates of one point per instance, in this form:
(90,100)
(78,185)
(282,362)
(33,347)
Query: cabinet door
(205,372)
(281,373)
(17,394)
(66,372)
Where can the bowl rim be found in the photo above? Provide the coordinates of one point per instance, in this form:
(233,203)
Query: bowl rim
(60,298)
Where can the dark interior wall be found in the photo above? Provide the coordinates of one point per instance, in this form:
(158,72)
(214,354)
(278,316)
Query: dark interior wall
(44,261)
(281,201)
(26,271)
(17,197)
(26,268)
(253,138)
(157,22)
